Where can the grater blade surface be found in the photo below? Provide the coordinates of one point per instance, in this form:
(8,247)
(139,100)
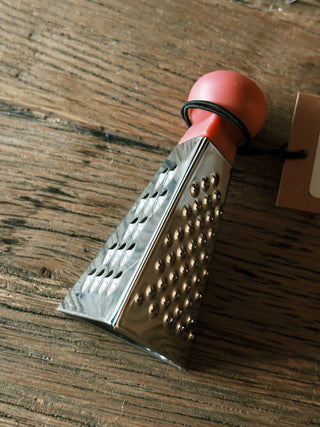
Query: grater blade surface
(146,282)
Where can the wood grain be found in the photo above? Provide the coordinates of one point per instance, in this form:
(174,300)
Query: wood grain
(90,93)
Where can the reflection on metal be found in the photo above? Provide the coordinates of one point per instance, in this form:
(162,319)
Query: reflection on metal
(146,283)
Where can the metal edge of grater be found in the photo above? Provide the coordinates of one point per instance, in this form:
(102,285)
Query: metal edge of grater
(146,283)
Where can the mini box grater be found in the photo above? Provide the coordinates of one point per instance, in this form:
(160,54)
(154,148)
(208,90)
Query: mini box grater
(146,283)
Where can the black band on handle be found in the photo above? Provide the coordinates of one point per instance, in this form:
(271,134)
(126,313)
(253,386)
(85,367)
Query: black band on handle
(214,108)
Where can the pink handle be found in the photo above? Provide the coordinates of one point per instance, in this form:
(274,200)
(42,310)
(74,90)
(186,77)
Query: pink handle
(238,94)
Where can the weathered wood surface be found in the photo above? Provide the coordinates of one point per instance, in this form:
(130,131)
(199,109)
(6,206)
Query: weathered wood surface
(90,94)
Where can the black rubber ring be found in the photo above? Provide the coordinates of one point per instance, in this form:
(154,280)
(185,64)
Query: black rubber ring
(215,109)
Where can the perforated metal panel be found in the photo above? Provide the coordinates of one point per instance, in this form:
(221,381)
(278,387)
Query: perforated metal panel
(146,283)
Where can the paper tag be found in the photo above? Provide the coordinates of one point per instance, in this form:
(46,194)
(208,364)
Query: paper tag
(315,177)
(300,179)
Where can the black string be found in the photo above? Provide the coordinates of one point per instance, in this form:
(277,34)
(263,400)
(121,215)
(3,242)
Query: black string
(282,153)
(216,109)
(245,149)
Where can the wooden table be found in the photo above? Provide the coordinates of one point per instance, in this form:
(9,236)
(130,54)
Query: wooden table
(90,95)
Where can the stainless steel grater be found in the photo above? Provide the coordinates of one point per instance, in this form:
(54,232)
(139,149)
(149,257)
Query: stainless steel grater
(146,283)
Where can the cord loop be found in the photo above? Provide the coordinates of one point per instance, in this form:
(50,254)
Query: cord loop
(214,108)
(245,149)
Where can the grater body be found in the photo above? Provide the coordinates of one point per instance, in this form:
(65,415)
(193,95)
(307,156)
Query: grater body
(146,283)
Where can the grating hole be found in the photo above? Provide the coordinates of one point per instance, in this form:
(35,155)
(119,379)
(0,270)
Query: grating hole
(100,273)
(163,193)
(134,220)
(118,275)
(131,246)
(143,220)
(110,273)
(174,167)
(154,195)
(92,272)
(121,246)
(113,246)
(164,170)
(145,196)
